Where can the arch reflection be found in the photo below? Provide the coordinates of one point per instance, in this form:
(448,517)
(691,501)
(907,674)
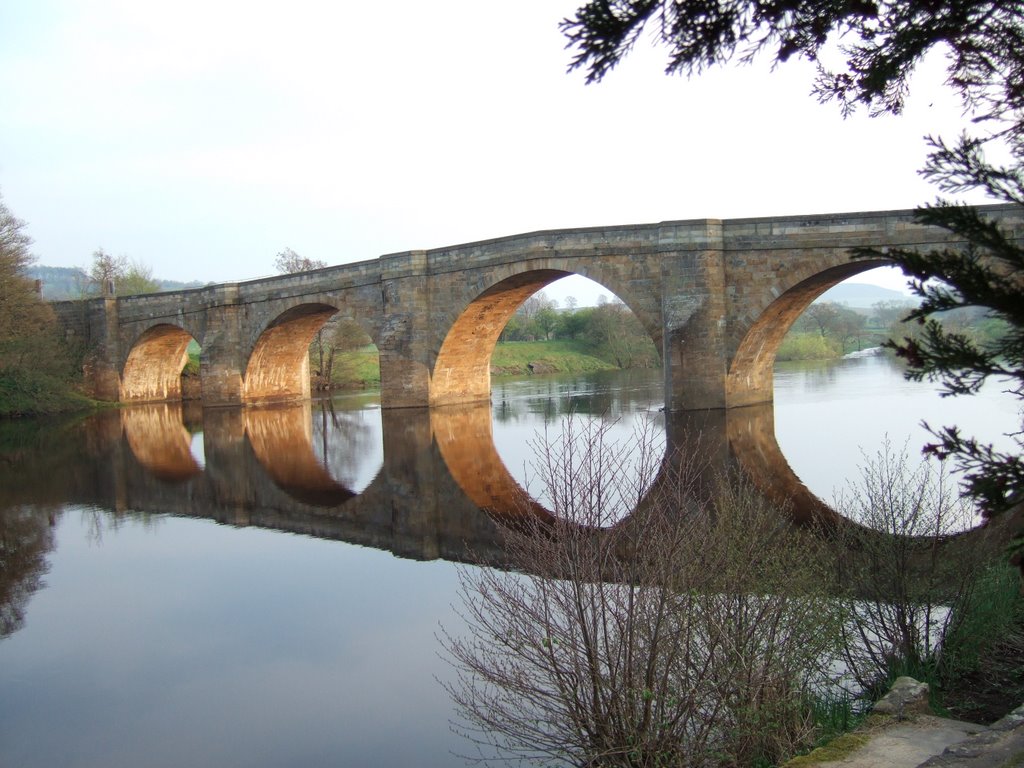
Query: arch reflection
(157,436)
(282,440)
(464,435)
(750,434)
(440,470)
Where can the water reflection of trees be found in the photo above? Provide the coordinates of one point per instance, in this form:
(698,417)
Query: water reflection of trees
(26,538)
(554,397)
(345,441)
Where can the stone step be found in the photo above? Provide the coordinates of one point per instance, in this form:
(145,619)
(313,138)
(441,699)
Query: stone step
(999,746)
(901,734)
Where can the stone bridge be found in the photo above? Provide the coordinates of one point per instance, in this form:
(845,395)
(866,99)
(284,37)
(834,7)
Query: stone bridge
(716,296)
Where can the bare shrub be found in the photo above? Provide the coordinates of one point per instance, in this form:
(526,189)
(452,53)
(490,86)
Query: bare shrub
(907,577)
(689,633)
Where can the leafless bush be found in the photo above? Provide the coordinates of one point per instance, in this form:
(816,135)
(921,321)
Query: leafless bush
(689,633)
(906,578)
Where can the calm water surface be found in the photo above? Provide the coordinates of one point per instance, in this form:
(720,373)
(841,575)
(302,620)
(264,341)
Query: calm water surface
(143,630)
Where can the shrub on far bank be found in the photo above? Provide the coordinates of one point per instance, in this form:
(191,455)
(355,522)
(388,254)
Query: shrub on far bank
(356,369)
(808,346)
(514,358)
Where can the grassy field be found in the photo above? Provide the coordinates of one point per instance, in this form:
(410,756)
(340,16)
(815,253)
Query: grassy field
(357,369)
(360,368)
(514,358)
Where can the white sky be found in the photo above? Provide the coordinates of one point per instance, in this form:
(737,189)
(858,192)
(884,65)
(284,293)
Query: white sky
(202,137)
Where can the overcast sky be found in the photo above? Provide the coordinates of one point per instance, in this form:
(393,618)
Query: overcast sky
(203,137)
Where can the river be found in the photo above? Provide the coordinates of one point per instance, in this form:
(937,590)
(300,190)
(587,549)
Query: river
(265,588)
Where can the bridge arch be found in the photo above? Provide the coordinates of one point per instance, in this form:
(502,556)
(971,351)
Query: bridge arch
(278,364)
(462,368)
(152,370)
(278,367)
(749,379)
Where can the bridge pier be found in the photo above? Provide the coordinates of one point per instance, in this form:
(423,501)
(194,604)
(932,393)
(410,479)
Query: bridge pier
(221,363)
(403,347)
(694,357)
(91,327)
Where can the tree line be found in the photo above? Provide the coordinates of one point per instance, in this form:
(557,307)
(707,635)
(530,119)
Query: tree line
(609,330)
(829,330)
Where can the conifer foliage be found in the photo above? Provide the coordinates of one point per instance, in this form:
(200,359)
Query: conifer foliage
(988,273)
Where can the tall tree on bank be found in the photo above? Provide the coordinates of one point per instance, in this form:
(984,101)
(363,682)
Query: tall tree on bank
(879,44)
(24,317)
(36,366)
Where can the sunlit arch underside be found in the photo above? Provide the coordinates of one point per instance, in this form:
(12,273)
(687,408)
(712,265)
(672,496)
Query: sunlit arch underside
(462,369)
(462,372)
(278,367)
(153,369)
(752,366)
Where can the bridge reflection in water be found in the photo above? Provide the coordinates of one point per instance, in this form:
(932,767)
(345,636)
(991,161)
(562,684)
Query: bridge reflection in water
(440,469)
(441,490)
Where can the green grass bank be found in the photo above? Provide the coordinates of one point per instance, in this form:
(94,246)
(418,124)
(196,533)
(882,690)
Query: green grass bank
(360,368)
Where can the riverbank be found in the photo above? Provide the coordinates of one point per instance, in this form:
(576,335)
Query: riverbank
(36,394)
(29,393)
(902,732)
(798,346)
(360,368)
(523,358)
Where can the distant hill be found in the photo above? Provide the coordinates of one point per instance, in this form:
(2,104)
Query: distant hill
(59,282)
(864,295)
(72,283)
